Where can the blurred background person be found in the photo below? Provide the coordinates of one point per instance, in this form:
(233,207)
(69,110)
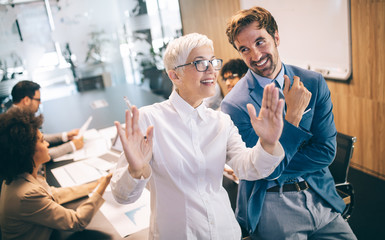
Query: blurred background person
(232,72)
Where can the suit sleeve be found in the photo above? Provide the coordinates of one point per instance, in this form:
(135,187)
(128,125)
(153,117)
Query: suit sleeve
(60,150)
(57,147)
(67,194)
(37,206)
(53,139)
(317,151)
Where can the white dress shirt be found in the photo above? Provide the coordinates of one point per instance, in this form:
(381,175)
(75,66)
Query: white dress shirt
(191,147)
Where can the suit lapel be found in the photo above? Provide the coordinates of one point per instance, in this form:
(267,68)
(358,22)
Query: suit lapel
(289,73)
(256,91)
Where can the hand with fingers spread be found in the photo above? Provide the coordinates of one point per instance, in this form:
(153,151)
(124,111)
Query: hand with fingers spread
(268,124)
(137,148)
(297,98)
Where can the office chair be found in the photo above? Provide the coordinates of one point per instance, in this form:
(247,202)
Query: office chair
(340,168)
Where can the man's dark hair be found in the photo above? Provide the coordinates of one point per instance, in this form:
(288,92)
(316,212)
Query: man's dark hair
(237,66)
(18,138)
(246,17)
(24,89)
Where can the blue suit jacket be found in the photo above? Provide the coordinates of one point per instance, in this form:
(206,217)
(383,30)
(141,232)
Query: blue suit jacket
(309,149)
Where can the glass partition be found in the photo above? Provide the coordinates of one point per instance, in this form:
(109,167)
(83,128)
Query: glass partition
(66,41)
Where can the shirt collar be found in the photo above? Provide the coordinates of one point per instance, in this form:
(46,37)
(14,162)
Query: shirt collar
(185,110)
(263,81)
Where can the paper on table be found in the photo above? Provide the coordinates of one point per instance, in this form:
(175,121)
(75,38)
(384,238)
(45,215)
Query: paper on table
(92,148)
(84,128)
(94,145)
(130,218)
(76,173)
(99,163)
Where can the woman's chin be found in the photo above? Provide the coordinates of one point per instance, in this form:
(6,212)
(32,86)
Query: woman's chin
(47,159)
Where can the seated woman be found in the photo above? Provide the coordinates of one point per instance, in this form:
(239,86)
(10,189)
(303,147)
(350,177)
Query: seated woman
(29,208)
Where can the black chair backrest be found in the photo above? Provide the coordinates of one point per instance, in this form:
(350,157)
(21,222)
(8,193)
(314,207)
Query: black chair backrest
(340,166)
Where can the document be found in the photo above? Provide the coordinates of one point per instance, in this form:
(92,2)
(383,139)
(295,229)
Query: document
(129,218)
(77,173)
(99,163)
(94,145)
(84,128)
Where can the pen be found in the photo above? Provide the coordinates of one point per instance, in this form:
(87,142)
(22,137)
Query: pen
(306,111)
(127,102)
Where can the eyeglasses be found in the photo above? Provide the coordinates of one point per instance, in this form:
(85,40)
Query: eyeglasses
(203,65)
(231,77)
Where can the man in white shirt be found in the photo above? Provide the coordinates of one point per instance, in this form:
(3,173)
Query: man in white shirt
(187,145)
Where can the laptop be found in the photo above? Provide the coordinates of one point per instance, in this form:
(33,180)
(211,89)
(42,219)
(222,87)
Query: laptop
(113,154)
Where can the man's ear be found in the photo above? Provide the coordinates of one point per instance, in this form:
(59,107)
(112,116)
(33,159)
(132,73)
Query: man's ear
(276,38)
(26,101)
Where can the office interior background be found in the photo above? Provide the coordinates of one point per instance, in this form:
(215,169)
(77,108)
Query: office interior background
(64,44)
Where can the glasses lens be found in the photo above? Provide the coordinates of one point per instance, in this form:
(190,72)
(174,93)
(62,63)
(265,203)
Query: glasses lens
(217,64)
(202,65)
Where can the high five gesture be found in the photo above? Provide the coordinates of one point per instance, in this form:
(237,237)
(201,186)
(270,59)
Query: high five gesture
(137,148)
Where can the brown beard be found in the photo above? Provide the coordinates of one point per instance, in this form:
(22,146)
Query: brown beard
(269,69)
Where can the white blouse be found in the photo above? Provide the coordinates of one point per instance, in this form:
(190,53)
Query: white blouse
(191,147)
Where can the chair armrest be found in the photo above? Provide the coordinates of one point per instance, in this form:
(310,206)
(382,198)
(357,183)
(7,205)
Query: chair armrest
(346,197)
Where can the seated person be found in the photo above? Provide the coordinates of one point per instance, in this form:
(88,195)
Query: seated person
(233,71)
(29,208)
(26,95)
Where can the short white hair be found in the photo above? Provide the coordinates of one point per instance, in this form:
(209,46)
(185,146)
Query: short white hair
(178,49)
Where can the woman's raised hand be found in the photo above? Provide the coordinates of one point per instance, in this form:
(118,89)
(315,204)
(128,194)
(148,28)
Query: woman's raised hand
(137,148)
(268,124)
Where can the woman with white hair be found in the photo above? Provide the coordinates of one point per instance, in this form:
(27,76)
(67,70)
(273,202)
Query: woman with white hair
(186,145)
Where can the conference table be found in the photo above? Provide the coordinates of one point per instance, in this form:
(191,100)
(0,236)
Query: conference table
(98,228)
(105,106)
